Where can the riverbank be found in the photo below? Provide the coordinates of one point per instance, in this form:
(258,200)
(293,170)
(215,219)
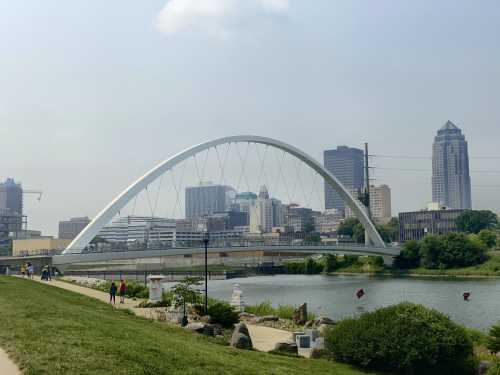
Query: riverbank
(56,331)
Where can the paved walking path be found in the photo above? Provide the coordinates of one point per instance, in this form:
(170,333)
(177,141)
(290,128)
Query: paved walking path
(7,367)
(263,338)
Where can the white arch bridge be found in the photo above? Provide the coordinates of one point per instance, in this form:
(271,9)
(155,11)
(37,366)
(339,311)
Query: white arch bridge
(76,250)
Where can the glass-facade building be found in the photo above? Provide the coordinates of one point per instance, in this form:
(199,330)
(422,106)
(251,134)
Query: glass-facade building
(451,185)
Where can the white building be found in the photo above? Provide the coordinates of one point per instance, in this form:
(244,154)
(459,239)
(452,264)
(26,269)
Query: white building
(261,213)
(380,203)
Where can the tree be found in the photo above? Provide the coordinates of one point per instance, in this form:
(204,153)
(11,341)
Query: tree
(473,221)
(358,233)
(331,263)
(185,292)
(488,237)
(346,228)
(430,248)
(409,256)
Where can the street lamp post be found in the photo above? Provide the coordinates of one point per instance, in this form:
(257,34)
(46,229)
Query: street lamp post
(206,239)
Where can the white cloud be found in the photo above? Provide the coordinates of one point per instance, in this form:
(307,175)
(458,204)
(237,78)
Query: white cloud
(215,17)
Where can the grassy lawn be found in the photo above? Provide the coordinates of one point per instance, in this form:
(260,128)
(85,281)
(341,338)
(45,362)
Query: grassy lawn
(47,330)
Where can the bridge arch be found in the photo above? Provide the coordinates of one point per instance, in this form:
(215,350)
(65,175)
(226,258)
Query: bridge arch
(105,216)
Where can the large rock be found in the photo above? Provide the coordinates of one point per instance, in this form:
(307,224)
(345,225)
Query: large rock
(323,328)
(203,328)
(300,315)
(288,347)
(268,318)
(241,341)
(309,324)
(246,316)
(324,320)
(241,328)
(196,327)
(483,367)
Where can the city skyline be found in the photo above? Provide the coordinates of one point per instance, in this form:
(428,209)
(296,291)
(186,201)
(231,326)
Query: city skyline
(122,97)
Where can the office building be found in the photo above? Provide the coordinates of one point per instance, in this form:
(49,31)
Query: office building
(347,165)
(299,219)
(207,199)
(69,229)
(380,203)
(328,221)
(416,225)
(451,185)
(11,197)
(141,229)
(261,213)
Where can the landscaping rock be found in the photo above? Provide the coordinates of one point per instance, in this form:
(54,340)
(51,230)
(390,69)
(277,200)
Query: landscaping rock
(323,328)
(241,328)
(483,367)
(300,314)
(206,319)
(196,327)
(324,320)
(268,318)
(309,324)
(498,355)
(246,316)
(241,341)
(287,347)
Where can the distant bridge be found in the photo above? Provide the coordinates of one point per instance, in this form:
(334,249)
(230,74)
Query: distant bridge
(386,252)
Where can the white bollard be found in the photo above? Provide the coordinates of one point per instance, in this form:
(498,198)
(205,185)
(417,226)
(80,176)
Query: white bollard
(155,287)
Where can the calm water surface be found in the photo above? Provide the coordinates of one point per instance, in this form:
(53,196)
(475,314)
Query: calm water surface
(334,296)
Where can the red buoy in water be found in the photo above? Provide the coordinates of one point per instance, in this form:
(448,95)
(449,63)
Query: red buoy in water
(466,296)
(360,293)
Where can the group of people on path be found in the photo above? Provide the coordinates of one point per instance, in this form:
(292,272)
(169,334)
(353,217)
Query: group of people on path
(28,270)
(121,290)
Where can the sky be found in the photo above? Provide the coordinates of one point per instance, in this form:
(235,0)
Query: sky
(94,93)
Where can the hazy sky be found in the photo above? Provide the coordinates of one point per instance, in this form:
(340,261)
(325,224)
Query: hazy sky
(93,93)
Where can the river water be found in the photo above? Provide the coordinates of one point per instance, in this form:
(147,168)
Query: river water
(334,296)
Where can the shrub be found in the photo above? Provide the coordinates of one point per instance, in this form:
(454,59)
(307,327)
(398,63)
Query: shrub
(409,256)
(404,338)
(223,314)
(494,368)
(488,238)
(493,341)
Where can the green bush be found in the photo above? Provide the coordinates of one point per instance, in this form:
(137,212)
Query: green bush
(493,341)
(494,368)
(306,267)
(404,338)
(282,311)
(223,314)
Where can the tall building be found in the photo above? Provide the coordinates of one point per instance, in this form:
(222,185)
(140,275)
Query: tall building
(380,203)
(207,199)
(11,197)
(261,213)
(451,185)
(347,165)
(141,229)
(69,229)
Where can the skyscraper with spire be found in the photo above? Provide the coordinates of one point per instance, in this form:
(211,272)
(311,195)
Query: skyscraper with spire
(451,185)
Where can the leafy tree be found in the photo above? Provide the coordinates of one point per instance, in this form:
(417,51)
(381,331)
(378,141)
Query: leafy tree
(493,342)
(488,237)
(346,228)
(409,256)
(430,248)
(473,221)
(185,292)
(331,263)
(358,234)
(312,237)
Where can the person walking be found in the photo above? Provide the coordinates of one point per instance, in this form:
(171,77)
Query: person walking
(23,269)
(122,290)
(31,271)
(112,293)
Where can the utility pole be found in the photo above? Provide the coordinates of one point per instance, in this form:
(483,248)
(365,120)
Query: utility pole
(367,193)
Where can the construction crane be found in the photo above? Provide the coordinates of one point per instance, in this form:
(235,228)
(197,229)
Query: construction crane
(39,198)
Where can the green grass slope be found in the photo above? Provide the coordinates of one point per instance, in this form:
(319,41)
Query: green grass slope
(47,330)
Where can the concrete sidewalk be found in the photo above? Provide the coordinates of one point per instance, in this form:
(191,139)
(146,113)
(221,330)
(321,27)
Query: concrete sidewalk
(7,367)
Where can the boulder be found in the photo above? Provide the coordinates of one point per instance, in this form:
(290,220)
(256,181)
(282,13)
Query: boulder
(196,327)
(309,324)
(268,318)
(324,320)
(300,315)
(288,347)
(241,341)
(323,328)
(246,316)
(241,328)
(206,319)
(483,367)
